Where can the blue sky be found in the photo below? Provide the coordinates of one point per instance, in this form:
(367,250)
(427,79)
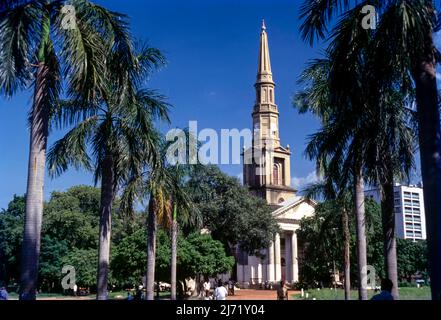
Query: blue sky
(212,51)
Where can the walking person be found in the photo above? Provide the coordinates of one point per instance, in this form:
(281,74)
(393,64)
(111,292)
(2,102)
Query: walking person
(282,291)
(231,287)
(207,288)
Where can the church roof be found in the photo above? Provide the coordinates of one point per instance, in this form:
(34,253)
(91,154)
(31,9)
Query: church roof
(290,203)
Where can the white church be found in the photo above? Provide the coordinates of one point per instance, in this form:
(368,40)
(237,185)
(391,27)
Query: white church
(270,179)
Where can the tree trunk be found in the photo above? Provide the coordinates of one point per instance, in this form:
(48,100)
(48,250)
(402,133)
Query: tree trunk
(174,240)
(389,239)
(430,150)
(107,190)
(35,187)
(347,250)
(151,249)
(361,235)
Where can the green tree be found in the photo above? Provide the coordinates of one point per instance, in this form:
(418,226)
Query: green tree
(346,82)
(230,212)
(328,189)
(71,222)
(11,236)
(113,136)
(201,255)
(29,33)
(323,246)
(84,261)
(161,184)
(67,218)
(128,259)
(412,259)
(51,264)
(405,45)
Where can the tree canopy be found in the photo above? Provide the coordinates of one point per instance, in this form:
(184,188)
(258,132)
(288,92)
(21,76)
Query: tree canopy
(230,212)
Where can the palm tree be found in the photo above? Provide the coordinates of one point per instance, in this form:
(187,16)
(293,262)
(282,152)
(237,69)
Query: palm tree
(405,38)
(155,183)
(389,144)
(340,144)
(329,190)
(390,160)
(182,205)
(162,184)
(118,131)
(39,51)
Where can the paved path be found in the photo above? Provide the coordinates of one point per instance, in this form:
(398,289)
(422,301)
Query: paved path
(247,294)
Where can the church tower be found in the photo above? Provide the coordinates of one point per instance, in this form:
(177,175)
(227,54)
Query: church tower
(267,163)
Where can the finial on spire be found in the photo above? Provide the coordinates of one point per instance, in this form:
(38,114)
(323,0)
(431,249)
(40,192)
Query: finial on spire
(263,25)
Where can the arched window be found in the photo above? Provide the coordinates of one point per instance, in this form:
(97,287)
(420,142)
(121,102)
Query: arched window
(276,175)
(271,96)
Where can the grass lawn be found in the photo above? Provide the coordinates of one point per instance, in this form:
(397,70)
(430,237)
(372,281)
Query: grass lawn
(331,294)
(117,295)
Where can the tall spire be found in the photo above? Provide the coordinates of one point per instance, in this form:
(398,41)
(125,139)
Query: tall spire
(264,73)
(265,113)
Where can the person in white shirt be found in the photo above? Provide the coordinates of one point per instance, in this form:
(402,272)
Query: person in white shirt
(207,287)
(221,292)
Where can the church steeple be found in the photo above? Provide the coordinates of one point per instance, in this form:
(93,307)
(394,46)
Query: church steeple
(267,163)
(264,73)
(265,115)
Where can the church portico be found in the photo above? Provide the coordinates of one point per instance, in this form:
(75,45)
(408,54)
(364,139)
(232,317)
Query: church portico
(278,262)
(270,179)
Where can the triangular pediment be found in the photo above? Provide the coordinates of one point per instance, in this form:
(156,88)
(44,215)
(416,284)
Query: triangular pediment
(295,209)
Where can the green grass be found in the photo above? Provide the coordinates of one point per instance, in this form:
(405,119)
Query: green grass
(330,294)
(117,295)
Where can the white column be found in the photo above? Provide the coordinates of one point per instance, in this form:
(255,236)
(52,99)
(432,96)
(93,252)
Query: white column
(270,268)
(259,271)
(265,267)
(278,258)
(295,263)
(288,255)
(252,271)
(240,273)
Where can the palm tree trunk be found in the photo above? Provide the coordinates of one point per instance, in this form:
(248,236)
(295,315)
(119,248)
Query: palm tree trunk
(151,249)
(361,235)
(35,188)
(389,240)
(107,191)
(174,240)
(424,75)
(347,250)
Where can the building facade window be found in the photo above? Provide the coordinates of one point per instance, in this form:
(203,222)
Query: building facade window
(276,174)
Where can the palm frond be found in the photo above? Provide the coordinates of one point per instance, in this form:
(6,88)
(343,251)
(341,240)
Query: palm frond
(19,37)
(71,150)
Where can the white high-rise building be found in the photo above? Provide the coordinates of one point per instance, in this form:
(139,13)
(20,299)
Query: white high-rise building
(410,219)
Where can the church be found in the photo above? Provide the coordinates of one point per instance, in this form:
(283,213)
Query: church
(267,173)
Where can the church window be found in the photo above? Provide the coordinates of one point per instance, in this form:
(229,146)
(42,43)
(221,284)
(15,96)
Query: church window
(271,95)
(264,95)
(281,200)
(276,174)
(279,171)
